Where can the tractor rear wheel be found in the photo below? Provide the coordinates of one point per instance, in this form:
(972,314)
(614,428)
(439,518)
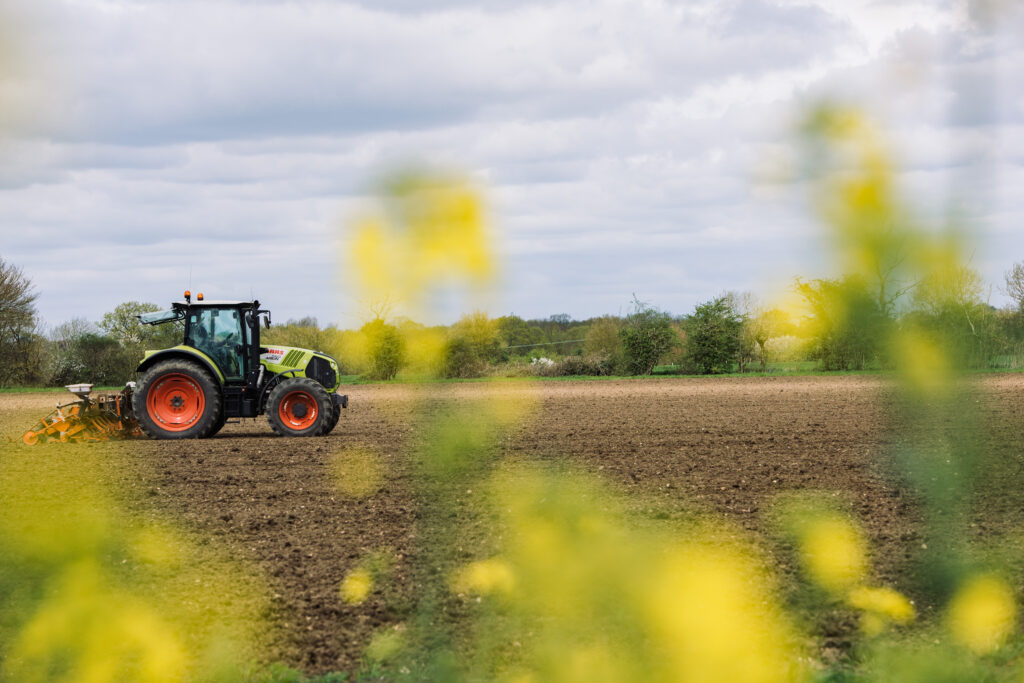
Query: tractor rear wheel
(299,406)
(177,399)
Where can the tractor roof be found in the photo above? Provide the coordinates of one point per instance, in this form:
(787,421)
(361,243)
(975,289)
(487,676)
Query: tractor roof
(215,303)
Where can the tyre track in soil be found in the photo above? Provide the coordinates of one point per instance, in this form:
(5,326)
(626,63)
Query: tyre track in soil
(728,445)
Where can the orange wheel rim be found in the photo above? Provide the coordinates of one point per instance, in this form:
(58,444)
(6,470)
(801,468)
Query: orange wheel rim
(176,402)
(298,410)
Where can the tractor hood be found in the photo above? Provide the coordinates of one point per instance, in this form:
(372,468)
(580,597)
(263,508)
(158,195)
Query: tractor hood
(313,364)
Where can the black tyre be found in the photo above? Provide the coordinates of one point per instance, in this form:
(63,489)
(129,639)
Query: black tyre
(299,406)
(335,416)
(220,424)
(177,399)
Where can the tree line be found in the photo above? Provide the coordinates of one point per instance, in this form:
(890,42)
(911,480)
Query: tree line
(841,324)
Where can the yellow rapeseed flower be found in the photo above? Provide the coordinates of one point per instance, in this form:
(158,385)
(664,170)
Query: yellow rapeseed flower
(428,231)
(714,618)
(833,553)
(880,606)
(485,577)
(356,586)
(982,614)
(925,365)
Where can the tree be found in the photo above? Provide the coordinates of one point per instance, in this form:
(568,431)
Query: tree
(473,342)
(1015,285)
(646,336)
(847,324)
(763,326)
(713,335)
(603,339)
(519,334)
(561,319)
(123,325)
(743,306)
(387,349)
(949,303)
(94,359)
(18,334)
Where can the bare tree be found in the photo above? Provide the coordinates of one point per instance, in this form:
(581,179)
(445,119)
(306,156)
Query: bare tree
(1015,285)
(765,325)
(70,330)
(380,308)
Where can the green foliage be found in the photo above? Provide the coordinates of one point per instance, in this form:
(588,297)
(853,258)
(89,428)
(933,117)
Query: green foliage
(847,326)
(646,336)
(603,340)
(94,359)
(762,327)
(713,335)
(949,307)
(518,333)
(473,342)
(123,325)
(461,361)
(387,349)
(19,338)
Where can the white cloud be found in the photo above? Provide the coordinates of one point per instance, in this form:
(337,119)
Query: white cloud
(623,142)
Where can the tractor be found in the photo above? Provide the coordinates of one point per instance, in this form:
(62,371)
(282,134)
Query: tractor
(219,371)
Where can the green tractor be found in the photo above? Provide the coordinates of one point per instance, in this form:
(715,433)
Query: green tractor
(220,371)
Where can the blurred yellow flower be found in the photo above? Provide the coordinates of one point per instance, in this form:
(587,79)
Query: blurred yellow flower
(428,231)
(834,553)
(924,364)
(715,619)
(880,606)
(485,577)
(356,586)
(982,614)
(92,632)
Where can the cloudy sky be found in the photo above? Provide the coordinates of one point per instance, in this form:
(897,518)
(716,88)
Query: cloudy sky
(625,146)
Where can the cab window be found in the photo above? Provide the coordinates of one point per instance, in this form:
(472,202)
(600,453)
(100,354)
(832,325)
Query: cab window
(218,333)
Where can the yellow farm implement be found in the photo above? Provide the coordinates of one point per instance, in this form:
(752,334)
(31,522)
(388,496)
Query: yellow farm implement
(100,418)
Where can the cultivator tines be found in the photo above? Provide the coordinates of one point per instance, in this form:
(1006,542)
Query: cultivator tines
(102,418)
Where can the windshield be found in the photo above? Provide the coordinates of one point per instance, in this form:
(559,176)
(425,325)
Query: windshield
(160,317)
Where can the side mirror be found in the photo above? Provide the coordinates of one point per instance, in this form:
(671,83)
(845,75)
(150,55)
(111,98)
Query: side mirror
(266,320)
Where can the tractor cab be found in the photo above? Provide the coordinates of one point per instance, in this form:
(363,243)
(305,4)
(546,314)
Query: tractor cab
(227,333)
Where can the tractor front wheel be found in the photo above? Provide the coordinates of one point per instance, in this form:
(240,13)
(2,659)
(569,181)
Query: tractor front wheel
(299,406)
(177,399)
(333,422)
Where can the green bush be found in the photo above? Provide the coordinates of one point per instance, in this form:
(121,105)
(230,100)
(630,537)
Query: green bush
(848,326)
(646,336)
(387,349)
(93,359)
(473,343)
(713,336)
(461,360)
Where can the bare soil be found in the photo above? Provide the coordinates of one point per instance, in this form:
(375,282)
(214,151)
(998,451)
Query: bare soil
(726,445)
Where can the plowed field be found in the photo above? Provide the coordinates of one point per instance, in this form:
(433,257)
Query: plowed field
(727,446)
